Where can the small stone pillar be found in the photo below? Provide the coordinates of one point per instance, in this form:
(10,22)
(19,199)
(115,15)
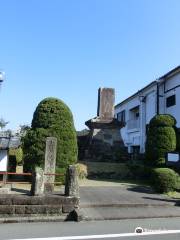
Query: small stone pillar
(37,187)
(50,164)
(71,185)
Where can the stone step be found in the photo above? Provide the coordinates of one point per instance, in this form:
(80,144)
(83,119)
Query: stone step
(35,209)
(14,199)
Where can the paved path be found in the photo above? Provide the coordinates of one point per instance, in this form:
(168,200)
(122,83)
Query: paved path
(124,201)
(104,200)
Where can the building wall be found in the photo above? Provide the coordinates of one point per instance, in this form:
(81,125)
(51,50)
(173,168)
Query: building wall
(172,87)
(146,99)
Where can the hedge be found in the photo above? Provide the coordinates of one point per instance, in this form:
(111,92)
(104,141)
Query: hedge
(164,180)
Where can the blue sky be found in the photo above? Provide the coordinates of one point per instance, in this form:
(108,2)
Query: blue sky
(69,48)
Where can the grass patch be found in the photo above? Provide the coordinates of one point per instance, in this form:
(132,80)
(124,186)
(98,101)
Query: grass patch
(173,194)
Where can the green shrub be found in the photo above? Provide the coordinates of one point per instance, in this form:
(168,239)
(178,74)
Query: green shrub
(161,138)
(140,172)
(82,170)
(106,170)
(12,164)
(51,118)
(61,178)
(163,120)
(177,139)
(164,180)
(34,144)
(17,153)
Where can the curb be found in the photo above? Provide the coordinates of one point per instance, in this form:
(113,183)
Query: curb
(33,219)
(124,205)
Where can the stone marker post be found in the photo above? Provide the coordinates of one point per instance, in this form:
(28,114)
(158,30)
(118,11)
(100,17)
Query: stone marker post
(37,187)
(50,164)
(71,185)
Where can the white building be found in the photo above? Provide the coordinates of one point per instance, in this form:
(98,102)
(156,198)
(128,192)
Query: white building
(159,97)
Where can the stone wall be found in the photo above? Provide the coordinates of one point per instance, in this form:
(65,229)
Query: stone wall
(21,206)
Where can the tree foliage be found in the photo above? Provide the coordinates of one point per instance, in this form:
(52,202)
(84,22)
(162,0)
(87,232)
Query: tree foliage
(161,138)
(17,153)
(164,179)
(3,123)
(52,117)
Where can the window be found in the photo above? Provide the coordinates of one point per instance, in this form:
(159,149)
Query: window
(121,116)
(171,101)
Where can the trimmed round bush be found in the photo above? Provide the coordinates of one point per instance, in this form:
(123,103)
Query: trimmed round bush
(161,139)
(163,120)
(177,139)
(164,180)
(52,118)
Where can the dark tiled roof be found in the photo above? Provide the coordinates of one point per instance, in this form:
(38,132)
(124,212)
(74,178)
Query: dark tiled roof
(12,142)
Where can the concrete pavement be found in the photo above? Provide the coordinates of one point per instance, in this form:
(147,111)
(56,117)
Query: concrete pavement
(125,201)
(109,200)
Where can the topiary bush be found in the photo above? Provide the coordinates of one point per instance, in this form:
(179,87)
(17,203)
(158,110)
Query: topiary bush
(161,138)
(52,117)
(177,139)
(164,180)
(163,120)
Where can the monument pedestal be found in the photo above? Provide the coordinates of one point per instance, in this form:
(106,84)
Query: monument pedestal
(105,142)
(104,139)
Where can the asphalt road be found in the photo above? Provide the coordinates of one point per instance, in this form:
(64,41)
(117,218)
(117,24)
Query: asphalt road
(87,230)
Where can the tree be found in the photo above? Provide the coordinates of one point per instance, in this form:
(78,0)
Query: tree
(161,139)
(17,153)
(23,129)
(3,123)
(52,117)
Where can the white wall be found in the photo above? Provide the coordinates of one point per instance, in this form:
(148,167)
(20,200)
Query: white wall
(173,82)
(128,136)
(148,109)
(3,160)
(150,106)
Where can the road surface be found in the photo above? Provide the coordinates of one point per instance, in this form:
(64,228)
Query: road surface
(122,229)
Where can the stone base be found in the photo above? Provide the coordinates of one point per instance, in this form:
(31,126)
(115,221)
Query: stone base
(4,190)
(105,142)
(37,206)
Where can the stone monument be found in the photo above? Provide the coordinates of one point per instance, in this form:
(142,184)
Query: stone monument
(37,187)
(72,186)
(50,164)
(104,137)
(106,99)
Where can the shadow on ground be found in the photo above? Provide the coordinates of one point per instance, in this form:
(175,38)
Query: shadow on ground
(22,191)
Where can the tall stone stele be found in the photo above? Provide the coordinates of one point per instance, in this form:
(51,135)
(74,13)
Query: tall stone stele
(104,137)
(50,164)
